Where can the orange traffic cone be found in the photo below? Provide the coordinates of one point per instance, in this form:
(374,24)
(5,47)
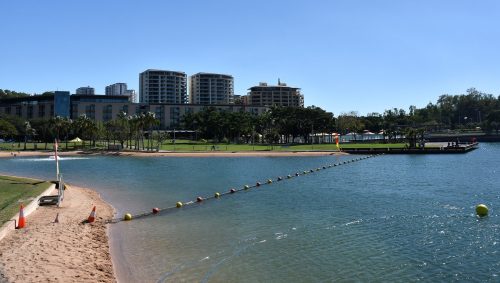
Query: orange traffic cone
(57,218)
(22,221)
(91,216)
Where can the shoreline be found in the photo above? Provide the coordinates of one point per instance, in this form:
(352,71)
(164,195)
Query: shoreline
(8,154)
(68,251)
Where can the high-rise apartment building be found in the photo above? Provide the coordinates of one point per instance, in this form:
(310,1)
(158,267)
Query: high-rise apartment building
(116,89)
(160,86)
(85,90)
(207,88)
(278,95)
(121,89)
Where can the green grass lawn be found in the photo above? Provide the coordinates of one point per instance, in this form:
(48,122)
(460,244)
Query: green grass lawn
(258,147)
(14,191)
(195,146)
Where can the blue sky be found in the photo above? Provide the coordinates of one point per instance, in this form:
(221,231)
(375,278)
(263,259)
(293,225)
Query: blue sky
(365,56)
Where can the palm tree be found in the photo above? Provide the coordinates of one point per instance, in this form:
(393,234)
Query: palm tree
(136,125)
(122,127)
(149,120)
(66,127)
(57,124)
(28,131)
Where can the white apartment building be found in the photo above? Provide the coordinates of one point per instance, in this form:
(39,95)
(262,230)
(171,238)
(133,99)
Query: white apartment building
(209,88)
(161,86)
(121,89)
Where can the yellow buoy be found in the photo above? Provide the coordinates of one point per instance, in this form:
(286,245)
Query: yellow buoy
(269,181)
(246,187)
(482,210)
(217,195)
(178,204)
(127,217)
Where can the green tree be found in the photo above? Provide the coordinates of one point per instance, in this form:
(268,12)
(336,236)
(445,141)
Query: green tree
(7,130)
(493,121)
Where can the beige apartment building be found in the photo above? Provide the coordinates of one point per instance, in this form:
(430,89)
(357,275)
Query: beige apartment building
(274,95)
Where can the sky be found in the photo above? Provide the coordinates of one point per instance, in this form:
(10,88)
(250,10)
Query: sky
(350,55)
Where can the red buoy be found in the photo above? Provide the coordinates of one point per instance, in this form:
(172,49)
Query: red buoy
(199,199)
(232,190)
(156,210)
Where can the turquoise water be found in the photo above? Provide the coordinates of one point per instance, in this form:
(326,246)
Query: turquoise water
(389,218)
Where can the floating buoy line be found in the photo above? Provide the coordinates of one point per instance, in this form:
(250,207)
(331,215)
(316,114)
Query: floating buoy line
(217,195)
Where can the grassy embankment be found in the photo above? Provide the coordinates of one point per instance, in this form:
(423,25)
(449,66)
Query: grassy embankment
(14,191)
(193,146)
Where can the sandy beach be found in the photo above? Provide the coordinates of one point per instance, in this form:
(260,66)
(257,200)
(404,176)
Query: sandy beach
(68,251)
(8,154)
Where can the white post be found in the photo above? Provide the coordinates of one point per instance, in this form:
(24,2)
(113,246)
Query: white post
(60,194)
(57,159)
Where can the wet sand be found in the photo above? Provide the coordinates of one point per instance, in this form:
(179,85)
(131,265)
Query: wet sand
(68,251)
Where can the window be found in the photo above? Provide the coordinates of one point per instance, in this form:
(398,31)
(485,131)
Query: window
(30,112)
(90,111)
(107,112)
(41,111)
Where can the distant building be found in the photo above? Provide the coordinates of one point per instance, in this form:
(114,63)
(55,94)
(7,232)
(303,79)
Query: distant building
(103,108)
(116,89)
(85,90)
(38,106)
(207,88)
(160,86)
(121,89)
(278,95)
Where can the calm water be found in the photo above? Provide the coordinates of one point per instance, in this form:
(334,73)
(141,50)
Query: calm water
(389,218)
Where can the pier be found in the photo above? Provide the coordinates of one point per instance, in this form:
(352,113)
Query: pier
(430,148)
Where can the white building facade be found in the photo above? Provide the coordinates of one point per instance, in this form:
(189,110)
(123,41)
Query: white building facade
(85,90)
(209,88)
(121,89)
(162,86)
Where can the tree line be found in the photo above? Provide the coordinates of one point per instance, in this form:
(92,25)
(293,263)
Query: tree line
(472,110)
(125,130)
